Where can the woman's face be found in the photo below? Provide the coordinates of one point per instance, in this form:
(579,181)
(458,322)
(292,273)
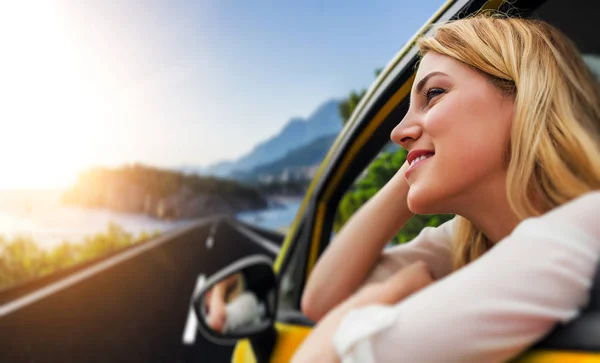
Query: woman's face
(460,122)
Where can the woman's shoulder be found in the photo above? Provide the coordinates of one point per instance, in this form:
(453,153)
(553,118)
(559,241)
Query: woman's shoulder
(582,209)
(587,199)
(578,216)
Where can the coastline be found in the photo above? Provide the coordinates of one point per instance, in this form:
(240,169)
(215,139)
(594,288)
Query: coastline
(41,216)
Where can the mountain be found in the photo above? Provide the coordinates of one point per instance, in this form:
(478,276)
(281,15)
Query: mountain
(295,164)
(307,155)
(297,132)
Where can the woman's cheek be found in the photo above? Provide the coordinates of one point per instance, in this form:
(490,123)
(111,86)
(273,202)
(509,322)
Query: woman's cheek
(443,115)
(450,172)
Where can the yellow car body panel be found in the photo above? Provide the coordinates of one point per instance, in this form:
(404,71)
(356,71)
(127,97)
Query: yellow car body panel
(289,338)
(292,336)
(544,356)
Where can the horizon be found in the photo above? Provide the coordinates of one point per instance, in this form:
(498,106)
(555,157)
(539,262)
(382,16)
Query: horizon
(177,85)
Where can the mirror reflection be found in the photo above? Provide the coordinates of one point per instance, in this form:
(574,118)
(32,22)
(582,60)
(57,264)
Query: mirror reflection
(240,303)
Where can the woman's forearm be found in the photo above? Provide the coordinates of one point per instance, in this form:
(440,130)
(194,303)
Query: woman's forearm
(356,249)
(319,344)
(218,294)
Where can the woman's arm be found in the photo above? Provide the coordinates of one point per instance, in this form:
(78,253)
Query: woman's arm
(357,248)
(217,315)
(319,346)
(495,307)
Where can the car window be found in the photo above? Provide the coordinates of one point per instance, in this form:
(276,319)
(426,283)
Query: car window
(292,275)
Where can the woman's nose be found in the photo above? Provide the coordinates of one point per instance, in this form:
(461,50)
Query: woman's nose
(405,134)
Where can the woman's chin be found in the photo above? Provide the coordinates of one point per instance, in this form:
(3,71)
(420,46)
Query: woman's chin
(421,201)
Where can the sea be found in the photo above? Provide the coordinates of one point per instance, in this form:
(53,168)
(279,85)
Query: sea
(276,218)
(41,216)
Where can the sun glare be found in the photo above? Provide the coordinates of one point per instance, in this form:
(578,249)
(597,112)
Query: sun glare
(51,109)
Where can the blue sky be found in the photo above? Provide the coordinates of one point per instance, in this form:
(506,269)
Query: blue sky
(173,83)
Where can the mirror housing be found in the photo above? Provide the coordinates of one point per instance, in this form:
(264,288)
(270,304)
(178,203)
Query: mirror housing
(239,301)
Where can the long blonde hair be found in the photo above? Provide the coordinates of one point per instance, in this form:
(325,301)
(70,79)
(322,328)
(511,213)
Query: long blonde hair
(553,154)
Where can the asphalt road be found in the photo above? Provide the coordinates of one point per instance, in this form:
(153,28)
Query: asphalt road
(134,309)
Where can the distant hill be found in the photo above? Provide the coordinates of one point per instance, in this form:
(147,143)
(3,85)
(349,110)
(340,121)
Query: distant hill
(161,193)
(220,169)
(325,121)
(296,164)
(307,155)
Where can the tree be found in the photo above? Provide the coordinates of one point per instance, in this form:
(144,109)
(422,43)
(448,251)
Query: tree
(347,106)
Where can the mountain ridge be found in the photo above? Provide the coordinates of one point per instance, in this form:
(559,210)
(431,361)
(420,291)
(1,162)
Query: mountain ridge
(297,132)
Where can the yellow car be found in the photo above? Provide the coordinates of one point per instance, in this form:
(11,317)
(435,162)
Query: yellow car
(272,326)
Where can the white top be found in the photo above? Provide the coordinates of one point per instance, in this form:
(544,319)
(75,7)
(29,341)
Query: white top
(493,308)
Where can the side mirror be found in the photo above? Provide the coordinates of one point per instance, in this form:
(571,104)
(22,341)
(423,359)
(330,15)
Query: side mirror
(239,301)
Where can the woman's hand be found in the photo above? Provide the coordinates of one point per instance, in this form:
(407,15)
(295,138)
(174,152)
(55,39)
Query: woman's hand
(318,346)
(397,287)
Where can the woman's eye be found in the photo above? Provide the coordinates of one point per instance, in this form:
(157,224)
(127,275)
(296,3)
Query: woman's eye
(432,93)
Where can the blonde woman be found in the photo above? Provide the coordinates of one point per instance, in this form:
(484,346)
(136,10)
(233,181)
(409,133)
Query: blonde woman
(503,130)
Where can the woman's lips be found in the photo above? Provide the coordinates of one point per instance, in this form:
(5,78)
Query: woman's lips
(416,165)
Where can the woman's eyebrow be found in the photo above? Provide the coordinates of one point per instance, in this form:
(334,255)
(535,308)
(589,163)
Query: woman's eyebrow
(422,82)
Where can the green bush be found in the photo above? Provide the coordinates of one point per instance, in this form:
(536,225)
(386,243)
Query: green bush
(21,259)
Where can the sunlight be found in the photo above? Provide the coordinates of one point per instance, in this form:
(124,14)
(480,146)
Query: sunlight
(52,107)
